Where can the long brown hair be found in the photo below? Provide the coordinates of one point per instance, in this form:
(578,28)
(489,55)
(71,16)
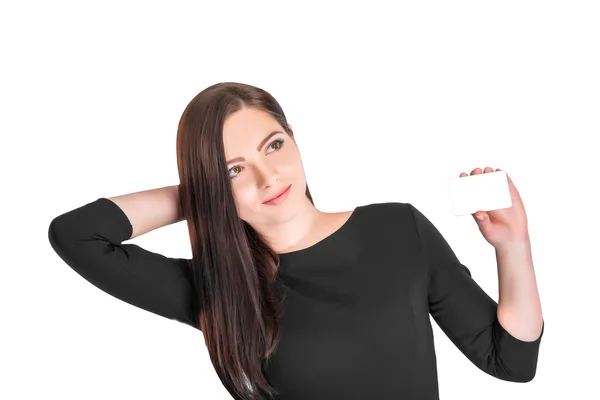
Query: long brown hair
(233,269)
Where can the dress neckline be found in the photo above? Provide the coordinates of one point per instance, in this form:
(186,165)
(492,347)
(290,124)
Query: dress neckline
(323,241)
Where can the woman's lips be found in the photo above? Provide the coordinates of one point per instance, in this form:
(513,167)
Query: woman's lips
(281,197)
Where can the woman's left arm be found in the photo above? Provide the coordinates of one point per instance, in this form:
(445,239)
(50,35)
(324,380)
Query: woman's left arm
(502,341)
(519,305)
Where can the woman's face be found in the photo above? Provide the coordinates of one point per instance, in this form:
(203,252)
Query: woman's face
(260,165)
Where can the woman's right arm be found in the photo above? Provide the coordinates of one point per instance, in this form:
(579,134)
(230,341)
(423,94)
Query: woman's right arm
(90,240)
(150,209)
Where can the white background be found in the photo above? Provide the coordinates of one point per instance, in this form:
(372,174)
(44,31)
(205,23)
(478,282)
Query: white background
(388,100)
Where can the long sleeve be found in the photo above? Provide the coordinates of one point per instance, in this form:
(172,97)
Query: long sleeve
(89,240)
(468,315)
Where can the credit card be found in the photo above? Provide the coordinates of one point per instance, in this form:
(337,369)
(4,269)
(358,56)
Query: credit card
(480,192)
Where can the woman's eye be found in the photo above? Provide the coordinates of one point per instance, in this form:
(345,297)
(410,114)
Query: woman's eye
(279,141)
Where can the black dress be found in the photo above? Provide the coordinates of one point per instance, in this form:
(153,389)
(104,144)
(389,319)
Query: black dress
(356,324)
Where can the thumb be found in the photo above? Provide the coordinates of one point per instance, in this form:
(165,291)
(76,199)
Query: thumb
(480,217)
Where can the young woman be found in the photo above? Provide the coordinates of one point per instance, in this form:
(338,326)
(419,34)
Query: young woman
(293,302)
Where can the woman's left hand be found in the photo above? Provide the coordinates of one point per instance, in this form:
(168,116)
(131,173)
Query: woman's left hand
(504,226)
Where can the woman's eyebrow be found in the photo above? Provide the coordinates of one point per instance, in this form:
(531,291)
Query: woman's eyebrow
(260,146)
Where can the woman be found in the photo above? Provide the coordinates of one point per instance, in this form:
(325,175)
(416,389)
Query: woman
(293,302)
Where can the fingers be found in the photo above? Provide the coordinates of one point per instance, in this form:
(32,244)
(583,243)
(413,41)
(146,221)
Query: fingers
(478,170)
